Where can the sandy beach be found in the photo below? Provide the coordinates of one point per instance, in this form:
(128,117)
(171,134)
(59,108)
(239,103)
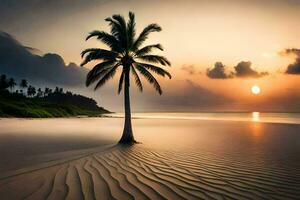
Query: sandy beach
(178,159)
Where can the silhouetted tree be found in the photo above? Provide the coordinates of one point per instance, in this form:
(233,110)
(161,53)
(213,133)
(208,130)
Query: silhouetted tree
(125,52)
(23,84)
(31,91)
(39,93)
(3,82)
(11,84)
(46,91)
(56,90)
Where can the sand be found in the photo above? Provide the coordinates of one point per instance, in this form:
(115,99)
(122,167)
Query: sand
(178,159)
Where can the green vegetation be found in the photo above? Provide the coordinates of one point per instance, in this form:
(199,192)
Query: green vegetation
(43,104)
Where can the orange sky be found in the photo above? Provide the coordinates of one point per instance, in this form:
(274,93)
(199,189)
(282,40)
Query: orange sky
(197,33)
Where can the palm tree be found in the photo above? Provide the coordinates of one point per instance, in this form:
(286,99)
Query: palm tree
(39,93)
(31,91)
(23,84)
(11,84)
(125,51)
(46,91)
(56,90)
(3,82)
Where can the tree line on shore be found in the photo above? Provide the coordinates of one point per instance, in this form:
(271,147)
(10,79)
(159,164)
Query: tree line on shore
(57,95)
(9,84)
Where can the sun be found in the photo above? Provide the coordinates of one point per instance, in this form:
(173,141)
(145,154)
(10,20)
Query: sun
(255,89)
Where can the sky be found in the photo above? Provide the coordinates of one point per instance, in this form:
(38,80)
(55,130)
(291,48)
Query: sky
(218,49)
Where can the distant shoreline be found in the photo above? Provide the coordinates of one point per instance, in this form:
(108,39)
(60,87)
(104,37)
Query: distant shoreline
(54,105)
(294,120)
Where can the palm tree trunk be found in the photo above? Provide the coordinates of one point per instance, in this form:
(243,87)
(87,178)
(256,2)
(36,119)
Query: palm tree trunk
(127,136)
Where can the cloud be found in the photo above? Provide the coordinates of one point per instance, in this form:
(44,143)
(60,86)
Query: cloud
(190,69)
(218,72)
(241,70)
(293,68)
(18,61)
(244,70)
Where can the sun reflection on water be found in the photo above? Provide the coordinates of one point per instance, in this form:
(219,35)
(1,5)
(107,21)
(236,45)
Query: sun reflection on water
(255,116)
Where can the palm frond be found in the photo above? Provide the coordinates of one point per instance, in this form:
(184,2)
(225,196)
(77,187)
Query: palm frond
(97,54)
(106,38)
(92,78)
(150,78)
(120,19)
(95,50)
(144,34)
(147,49)
(108,75)
(119,29)
(98,71)
(137,79)
(121,81)
(115,29)
(156,69)
(155,59)
(130,30)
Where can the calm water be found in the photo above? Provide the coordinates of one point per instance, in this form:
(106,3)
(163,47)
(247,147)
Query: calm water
(289,118)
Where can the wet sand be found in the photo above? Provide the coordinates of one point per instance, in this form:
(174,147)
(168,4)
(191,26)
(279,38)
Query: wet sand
(178,159)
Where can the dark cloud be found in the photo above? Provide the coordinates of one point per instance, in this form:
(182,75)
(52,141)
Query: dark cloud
(18,61)
(293,68)
(242,70)
(190,69)
(218,72)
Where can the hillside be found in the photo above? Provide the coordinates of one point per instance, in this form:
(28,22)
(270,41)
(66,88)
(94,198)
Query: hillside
(53,105)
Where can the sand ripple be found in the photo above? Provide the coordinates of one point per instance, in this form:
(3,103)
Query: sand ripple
(142,173)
